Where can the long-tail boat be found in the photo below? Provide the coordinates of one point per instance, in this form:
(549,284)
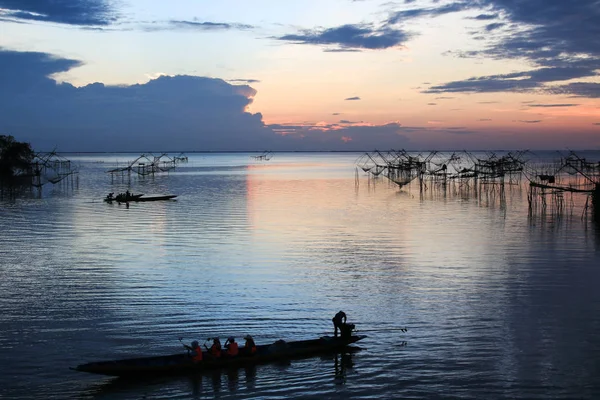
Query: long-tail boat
(155,198)
(129,198)
(182,363)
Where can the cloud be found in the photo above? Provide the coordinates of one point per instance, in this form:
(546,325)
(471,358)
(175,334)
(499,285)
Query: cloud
(179,113)
(207,25)
(169,113)
(239,80)
(552,28)
(486,17)
(526,81)
(28,71)
(556,37)
(331,136)
(578,89)
(530,121)
(553,105)
(346,50)
(350,37)
(459,130)
(494,26)
(352,98)
(402,16)
(484,119)
(72,12)
(596,123)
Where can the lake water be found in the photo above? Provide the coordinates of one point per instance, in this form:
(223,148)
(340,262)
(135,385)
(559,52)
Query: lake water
(497,304)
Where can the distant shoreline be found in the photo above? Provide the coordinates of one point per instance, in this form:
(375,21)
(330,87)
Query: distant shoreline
(307,151)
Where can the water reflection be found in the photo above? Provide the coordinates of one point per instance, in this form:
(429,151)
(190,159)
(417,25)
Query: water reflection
(225,382)
(342,363)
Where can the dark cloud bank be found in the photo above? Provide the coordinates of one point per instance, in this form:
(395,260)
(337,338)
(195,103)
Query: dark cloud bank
(181,113)
(351,37)
(96,14)
(558,38)
(74,12)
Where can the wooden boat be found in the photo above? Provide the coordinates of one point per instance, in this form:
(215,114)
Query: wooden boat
(122,198)
(155,198)
(182,363)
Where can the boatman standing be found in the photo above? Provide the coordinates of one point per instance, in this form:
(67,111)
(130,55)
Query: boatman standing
(338,321)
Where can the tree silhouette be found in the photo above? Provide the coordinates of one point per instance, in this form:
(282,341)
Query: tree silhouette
(15,158)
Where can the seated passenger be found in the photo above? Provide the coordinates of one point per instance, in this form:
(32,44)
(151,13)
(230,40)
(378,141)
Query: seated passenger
(195,350)
(231,347)
(215,349)
(249,346)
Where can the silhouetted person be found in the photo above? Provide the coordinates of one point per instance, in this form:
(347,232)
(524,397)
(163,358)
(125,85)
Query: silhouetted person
(231,347)
(249,346)
(338,321)
(215,349)
(196,351)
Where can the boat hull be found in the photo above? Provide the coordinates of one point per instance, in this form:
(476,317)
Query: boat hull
(155,198)
(139,198)
(183,363)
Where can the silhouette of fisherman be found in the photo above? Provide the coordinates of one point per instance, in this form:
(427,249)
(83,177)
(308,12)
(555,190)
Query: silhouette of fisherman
(339,320)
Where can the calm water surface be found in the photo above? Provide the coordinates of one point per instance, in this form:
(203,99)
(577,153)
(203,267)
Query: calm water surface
(497,304)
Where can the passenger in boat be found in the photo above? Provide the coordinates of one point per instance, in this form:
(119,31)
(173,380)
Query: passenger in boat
(196,351)
(249,346)
(338,320)
(127,194)
(215,349)
(110,196)
(231,347)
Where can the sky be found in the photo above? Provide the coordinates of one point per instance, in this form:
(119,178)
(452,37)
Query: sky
(343,75)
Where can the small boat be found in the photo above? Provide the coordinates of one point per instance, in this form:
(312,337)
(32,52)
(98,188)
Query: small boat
(155,198)
(128,198)
(182,363)
(122,197)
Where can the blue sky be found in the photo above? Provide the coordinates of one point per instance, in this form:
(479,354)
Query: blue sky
(184,75)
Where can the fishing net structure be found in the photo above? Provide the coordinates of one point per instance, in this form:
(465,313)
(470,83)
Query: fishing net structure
(556,183)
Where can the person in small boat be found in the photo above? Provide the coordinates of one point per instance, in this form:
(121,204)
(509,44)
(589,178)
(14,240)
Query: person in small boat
(215,349)
(127,194)
(249,346)
(110,196)
(338,321)
(196,351)
(231,347)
